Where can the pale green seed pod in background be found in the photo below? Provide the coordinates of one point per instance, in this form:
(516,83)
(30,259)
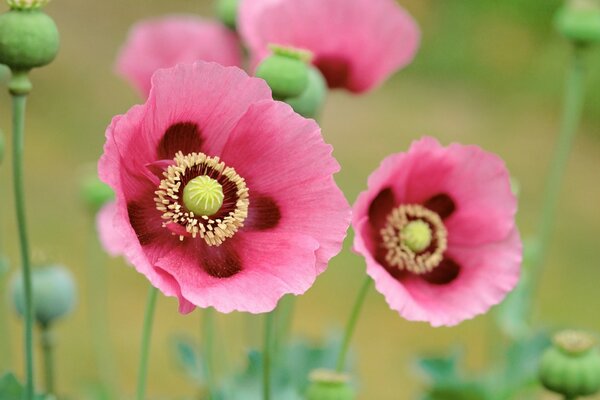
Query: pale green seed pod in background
(54,293)
(329,385)
(571,367)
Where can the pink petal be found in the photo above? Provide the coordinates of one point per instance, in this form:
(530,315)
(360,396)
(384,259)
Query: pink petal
(357,43)
(109,237)
(168,41)
(272,265)
(283,157)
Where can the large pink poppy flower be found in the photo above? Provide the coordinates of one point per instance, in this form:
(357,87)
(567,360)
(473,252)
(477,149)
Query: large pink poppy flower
(437,229)
(224,197)
(356,44)
(168,41)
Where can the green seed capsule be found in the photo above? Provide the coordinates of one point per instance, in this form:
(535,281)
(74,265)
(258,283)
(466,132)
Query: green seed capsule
(310,102)
(54,293)
(227,11)
(571,367)
(286,72)
(579,21)
(329,385)
(95,193)
(28,39)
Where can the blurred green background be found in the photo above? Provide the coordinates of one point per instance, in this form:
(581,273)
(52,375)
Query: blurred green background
(488,72)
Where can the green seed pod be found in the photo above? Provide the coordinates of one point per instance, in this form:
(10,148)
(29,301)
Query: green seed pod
(227,11)
(571,367)
(54,293)
(329,385)
(286,72)
(579,21)
(310,102)
(95,193)
(28,39)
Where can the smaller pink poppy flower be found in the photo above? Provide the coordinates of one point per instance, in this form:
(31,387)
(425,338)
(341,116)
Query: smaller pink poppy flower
(357,44)
(437,228)
(168,41)
(225,198)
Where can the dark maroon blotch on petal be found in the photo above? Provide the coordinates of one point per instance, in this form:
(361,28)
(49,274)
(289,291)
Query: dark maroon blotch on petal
(444,273)
(142,221)
(380,208)
(335,69)
(221,261)
(263,213)
(182,136)
(442,204)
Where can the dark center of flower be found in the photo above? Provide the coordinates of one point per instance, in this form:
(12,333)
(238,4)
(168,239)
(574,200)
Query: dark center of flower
(415,239)
(201,196)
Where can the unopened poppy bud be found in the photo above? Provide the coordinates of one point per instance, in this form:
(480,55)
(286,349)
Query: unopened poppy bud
(54,293)
(285,71)
(571,367)
(579,21)
(95,193)
(329,385)
(227,11)
(310,102)
(28,37)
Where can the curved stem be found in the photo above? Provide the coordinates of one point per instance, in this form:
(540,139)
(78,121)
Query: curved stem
(19,102)
(572,112)
(208,339)
(47,342)
(351,324)
(267,354)
(145,350)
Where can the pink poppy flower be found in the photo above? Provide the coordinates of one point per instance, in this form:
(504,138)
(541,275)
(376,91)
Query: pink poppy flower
(437,228)
(172,40)
(224,197)
(357,44)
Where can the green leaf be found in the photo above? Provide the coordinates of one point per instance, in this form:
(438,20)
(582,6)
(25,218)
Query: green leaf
(189,358)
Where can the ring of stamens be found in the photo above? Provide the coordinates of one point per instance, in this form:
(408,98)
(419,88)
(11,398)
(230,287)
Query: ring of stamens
(214,229)
(399,252)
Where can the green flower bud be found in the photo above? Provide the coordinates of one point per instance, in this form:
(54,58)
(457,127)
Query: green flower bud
(579,21)
(571,367)
(28,39)
(4,74)
(227,11)
(329,385)
(54,293)
(95,193)
(286,72)
(310,102)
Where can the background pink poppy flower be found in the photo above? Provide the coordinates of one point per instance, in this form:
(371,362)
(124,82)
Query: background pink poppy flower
(168,41)
(282,218)
(473,257)
(357,44)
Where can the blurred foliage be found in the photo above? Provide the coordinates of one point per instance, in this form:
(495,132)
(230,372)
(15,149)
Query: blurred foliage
(514,378)
(292,366)
(11,389)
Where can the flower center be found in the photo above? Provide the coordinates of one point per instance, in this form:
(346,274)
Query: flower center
(415,238)
(201,196)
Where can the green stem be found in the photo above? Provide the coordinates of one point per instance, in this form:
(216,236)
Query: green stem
(285,316)
(47,342)
(267,354)
(571,118)
(351,325)
(145,350)
(18,89)
(208,339)
(96,277)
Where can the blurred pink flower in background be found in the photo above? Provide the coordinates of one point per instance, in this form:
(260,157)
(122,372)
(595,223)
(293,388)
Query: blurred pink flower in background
(168,41)
(437,229)
(357,44)
(282,216)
